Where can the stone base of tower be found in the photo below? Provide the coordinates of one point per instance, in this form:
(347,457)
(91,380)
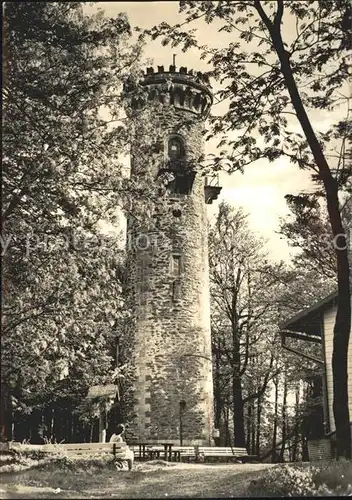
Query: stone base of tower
(173,409)
(172,435)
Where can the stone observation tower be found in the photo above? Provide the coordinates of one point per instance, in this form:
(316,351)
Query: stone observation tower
(170,341)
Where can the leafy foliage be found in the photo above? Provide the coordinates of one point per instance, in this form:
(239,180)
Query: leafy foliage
(307,228)
(65,130)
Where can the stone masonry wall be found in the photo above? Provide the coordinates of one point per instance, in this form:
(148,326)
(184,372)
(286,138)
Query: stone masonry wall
(170,343)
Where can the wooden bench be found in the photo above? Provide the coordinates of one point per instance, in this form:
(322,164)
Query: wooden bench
(120,451)
(150,451)
(156,452)
(204,452)
(180,452)
(145,451)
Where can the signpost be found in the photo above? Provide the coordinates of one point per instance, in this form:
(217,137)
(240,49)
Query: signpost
(102,393)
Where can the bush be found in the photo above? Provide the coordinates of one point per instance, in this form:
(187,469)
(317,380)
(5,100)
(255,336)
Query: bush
(329,479)
(334,478)
(283,481)
(19,460)
(86,464)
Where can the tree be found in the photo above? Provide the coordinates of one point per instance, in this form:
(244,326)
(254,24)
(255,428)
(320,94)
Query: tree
(243,315)
(250,297)
(273,80)
(307,228)
(64,131)
(60,332)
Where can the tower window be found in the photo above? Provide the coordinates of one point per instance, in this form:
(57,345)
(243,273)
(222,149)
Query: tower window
(176,290)
(175,148)
(176,266)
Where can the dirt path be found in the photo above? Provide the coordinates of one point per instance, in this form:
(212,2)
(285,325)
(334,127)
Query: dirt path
(145,481)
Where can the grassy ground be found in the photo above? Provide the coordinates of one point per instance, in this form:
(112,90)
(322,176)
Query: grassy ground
(97,477)
(148,480)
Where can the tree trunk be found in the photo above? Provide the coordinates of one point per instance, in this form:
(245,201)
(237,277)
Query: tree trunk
(296,430)
(69,426)
(217,395)
(305,453)
(342,326)
(254,433)
(59,424)
(284,421)
(273,455)
(238,410)
(259,417)
(289,447)
(5,393)
(48,418)
(238,416)
(74,428)
(53,425)
(36,425)
(6,413)
(304,429)
(249,426)
(91,432)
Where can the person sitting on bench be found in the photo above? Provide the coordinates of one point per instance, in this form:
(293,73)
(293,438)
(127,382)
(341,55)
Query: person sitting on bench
(117,438)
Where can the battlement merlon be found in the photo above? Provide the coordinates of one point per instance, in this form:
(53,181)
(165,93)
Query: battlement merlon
(185,89)
(183,75)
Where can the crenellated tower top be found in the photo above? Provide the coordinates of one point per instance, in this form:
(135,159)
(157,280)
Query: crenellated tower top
(183,89)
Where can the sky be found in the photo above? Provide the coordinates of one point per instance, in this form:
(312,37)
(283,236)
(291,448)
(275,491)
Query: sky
(261,189)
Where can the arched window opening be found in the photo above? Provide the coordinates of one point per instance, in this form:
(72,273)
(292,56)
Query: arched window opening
(175,148)
(176,162)
(177,99)
(196,102)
